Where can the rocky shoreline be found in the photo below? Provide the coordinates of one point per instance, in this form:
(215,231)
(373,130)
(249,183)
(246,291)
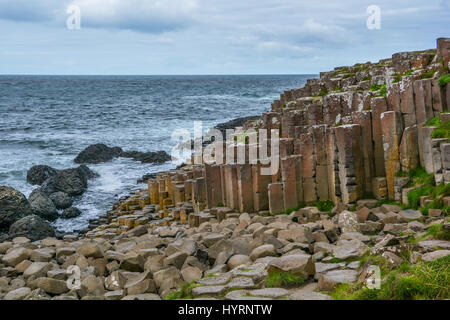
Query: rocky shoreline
(364,185)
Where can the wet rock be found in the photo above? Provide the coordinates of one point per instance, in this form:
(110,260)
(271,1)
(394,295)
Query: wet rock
(33,227)
(13,206)
(42,205)
(98,153)
(71,181)
(71,213)
(158,157)
(36,175)
(61,200)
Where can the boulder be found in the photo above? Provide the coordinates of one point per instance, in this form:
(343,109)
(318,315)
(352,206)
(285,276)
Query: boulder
(33,227)
(348,221)
(346,249)
(299,264)
(263,251)
(71,181)
(42,205)
(13,206)
(410,214)
(52,286)
(329,280)
(158,157)
(15,256)
(238,260)
(434,255)
(91,251)
(36,175)
(98,153)
(71,213)
(17,294)
(61,200)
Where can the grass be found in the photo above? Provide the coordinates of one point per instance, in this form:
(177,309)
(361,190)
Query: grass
(428,75)
(375,87)
(283,279)
(398,76)
(444,80)
(425,280)
(184,292)
(367,78)
(323,92)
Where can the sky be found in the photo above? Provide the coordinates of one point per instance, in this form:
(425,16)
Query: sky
(155,37)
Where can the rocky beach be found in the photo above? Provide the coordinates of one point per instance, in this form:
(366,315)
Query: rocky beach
(359,208)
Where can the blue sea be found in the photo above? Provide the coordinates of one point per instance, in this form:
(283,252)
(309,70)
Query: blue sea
(50,119)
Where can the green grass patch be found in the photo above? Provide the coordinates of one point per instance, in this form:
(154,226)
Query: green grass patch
(425,280)
(184,292)
(444,80)
(324,205)
(283,279)
(428,75)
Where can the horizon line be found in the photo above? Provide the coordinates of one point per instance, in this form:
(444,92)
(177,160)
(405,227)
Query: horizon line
(151,75)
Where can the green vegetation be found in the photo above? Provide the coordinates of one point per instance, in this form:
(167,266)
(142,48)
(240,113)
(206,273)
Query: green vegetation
(442,130)
(324,205)
(444,80)
(398,76)
(220,205)
(283,279)
(375,87)
(436,232)
(425,187)
(367,78)
(323,91)
(379,87)
(184,292)
(428,75)
(425,280)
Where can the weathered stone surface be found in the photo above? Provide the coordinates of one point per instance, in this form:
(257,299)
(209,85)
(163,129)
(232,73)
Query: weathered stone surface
(42,205)
(300,264)
(52,286)
(13,207)
(431,256)
(15,256)
(17,294)
(263,251)
(329,280)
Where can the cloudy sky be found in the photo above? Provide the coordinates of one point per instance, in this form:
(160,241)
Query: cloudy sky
(210,36)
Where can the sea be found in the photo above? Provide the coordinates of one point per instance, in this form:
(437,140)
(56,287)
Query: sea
(50,119)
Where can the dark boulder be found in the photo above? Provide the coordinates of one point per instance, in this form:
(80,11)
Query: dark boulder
(38,174)
(158,157)
(61,200)
(98,153)
(13,206)
(42,205)
(71,213)
(32,227)
(71,181)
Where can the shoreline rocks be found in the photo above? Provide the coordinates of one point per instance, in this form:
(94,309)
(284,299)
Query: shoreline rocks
(13,206)
(99,153)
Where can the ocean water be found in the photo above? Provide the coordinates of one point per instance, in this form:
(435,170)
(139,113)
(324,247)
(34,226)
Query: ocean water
(50,119)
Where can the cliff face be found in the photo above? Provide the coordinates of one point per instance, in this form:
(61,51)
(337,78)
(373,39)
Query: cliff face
(345,136)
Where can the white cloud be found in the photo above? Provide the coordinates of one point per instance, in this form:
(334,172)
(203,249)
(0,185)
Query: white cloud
(152,16)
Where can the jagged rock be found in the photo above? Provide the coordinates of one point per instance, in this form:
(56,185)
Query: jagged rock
(346,249)
(33,227)
(191,273)
(91,251)
(348,221)
(36,175)
(71,213)
(61,200)
(133,262)
(98,153)
(13,207)
(37,270)
(158,157)
(71,181)
(300,234)
(42,205)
